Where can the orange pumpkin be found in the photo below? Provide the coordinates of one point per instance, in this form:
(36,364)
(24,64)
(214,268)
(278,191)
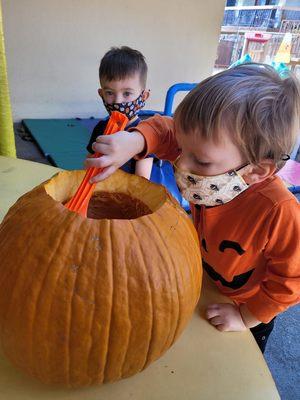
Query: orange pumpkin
(90,300)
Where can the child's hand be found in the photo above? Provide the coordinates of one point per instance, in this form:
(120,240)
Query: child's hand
(117,149)
(225,317)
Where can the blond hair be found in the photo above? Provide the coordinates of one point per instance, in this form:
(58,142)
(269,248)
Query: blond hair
(251,101)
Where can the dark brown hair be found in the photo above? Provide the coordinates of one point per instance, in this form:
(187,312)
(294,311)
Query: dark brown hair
(253,103)
(122,62)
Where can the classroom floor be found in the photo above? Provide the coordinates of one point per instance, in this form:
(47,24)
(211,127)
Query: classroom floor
(283,349)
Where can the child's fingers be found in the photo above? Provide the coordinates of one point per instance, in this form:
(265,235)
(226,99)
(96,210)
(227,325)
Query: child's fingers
(222,327)
(109,138)
(99,162)
(212,312)
(214,306)
(102,148)
(216,320)
(104,174)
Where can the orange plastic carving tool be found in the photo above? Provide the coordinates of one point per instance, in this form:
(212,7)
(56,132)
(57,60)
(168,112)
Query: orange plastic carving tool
(80,201)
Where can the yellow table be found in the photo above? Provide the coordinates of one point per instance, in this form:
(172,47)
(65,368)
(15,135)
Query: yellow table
(204,364)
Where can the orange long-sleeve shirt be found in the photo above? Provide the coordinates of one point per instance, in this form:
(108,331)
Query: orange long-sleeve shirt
(251,245)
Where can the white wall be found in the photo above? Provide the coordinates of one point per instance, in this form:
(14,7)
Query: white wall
(53,49)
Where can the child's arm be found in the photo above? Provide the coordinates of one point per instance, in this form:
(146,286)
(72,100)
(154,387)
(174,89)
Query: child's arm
(144,167)
(155,135)
(280,287)
(160,139)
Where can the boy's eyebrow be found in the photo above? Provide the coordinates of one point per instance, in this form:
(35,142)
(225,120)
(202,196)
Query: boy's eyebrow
(107,87)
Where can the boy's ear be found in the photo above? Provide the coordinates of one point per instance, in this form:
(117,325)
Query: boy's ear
(146,94)
(259,172)
(100,92)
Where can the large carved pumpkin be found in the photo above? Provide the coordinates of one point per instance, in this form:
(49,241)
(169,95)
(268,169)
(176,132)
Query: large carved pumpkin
(91,300)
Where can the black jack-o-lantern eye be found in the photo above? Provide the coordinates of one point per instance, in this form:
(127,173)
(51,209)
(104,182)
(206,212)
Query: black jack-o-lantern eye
(228,244)
(225,244)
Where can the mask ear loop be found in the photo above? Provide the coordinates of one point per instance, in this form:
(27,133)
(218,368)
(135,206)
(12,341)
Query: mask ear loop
(285,157)
(174,163)
(239,174)
(238,169)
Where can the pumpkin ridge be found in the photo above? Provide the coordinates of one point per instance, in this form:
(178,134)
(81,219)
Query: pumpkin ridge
(19,272)
(195,273)
(70,326)
(111,306)
(138,244)
(17,207)
(100,352)
(128,313)
(6,228)
(158,231)
(90,351)
(107,366)
(50,306)
(75,292)
(104,334)
(163,276)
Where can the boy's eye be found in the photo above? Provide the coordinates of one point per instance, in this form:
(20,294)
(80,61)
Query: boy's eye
(203,164)
(200,162)
(126,94)
(109,93)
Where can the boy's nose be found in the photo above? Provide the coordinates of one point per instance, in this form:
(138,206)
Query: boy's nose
(119,98)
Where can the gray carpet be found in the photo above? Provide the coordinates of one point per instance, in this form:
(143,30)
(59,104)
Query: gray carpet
(283,354)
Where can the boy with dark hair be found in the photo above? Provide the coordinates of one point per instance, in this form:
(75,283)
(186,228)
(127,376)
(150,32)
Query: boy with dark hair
(123,76)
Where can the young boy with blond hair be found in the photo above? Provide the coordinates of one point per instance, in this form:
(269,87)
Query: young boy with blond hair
(228,138)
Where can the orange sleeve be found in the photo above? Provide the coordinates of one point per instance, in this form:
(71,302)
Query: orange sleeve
(159,134)
(281,286)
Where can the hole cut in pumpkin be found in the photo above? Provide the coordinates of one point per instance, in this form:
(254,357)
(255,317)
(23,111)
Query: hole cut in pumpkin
(107,205)
(121,196)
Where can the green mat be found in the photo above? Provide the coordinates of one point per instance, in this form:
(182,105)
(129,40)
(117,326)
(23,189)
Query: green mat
(62,141)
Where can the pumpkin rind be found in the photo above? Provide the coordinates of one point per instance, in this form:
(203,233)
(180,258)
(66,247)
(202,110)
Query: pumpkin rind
(86,301)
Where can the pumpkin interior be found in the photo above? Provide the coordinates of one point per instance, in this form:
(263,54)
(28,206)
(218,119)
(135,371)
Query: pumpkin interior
(116,206)
(121,196)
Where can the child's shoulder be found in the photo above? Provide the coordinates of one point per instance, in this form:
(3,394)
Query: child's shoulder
(272,204)
(275,191)
(274,198)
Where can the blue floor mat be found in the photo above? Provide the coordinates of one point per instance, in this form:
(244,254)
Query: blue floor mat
(62,141)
